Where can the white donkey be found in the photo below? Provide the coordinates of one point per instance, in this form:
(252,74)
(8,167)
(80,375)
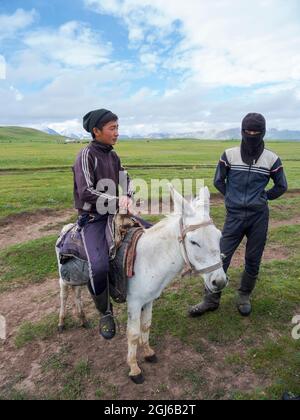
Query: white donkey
(187,241)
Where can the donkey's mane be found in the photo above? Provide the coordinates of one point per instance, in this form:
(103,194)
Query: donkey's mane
(160,225)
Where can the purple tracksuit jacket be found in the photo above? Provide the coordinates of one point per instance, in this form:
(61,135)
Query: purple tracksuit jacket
(97,166)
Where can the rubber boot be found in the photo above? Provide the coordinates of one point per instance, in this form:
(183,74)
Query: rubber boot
(107,326)
(210,303)
(247,286)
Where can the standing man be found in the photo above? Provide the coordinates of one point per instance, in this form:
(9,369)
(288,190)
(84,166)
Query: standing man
(242,176)
(97,175)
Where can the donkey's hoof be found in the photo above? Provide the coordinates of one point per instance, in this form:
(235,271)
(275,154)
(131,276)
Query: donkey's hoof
(86,325)
(138,380)
(61,329)
(151,359)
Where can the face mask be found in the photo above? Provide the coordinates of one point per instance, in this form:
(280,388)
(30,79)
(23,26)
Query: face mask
(252,143)
(252,148)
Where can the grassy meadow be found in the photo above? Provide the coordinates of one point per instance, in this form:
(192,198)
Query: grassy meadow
(229,357)
(41,176)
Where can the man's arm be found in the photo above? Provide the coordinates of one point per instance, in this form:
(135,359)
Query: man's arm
(85,179)
(221,174)
(280,181)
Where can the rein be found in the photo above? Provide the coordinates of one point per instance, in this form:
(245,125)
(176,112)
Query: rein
(189,268)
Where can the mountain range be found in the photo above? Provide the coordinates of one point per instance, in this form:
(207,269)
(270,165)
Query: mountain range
(230,134)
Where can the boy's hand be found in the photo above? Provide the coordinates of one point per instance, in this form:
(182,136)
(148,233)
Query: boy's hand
(125,203)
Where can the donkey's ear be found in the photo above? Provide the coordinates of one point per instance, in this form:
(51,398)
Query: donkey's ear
(204,194)
(181,206)
(204,198)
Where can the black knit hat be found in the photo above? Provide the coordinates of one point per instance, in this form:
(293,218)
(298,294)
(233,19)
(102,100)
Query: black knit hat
(95,118)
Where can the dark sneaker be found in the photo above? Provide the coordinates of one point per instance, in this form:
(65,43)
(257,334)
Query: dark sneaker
(107,326)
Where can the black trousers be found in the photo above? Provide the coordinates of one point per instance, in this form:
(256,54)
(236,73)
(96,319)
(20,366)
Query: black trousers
(255,228)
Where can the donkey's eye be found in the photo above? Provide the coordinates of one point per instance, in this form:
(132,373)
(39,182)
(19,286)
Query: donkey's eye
(195,244)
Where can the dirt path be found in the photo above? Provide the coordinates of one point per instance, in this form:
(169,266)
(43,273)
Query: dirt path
(28,227)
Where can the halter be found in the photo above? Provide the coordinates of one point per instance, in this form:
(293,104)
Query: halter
(189,268)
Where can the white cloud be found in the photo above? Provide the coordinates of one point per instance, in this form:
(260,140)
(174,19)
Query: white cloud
(2,67)
(224,42)
(18,95)
(11,24)
(29,67)
(197,48)
(73,44)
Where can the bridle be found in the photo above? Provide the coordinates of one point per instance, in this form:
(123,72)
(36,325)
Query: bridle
(189,268)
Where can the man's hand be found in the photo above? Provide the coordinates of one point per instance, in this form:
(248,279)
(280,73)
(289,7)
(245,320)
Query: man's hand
(125,204)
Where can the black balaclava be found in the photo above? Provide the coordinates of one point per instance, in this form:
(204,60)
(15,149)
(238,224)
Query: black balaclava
(253,146)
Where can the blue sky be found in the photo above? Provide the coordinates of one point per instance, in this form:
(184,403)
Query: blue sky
(161,65)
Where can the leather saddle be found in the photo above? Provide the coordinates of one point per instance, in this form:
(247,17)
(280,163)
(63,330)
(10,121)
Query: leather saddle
(122,233)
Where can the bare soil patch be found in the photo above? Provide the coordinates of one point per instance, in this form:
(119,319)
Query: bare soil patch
(182,372)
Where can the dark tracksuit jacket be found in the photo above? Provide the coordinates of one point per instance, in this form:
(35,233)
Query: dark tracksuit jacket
(246,200)
(95,164)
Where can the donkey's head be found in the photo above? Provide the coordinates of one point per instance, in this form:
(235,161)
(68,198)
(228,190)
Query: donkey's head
(200,239)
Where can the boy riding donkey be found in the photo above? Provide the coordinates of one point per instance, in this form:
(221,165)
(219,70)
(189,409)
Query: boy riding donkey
(242,175)
(98,172)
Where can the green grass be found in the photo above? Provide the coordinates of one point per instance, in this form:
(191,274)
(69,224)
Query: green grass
(53,190)
(37,174)
(45,329)
(287,236)
(29,331)
(279,360)
(19,135)
(21,192)
(285,208)
(23,153)
(57,362)
(31,262)
(75,382)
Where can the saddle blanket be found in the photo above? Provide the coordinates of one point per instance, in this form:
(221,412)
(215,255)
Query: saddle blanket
(122,235)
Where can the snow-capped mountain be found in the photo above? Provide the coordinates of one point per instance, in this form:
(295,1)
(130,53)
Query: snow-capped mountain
(50,131)
(78,135)
(230,134)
